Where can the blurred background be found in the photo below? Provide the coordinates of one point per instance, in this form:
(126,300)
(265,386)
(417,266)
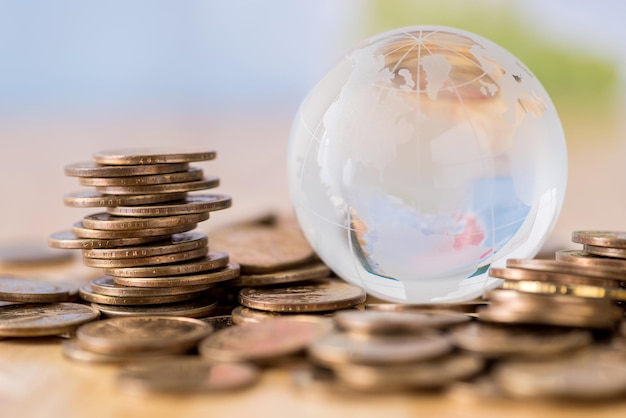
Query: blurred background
(83,76)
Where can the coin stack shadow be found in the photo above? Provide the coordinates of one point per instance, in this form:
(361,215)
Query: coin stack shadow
(154,264)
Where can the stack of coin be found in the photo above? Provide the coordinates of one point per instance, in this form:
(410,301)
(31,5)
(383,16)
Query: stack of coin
(152,263)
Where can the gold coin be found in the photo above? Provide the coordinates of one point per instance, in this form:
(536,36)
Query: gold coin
(132,156)
(165,334)
(614,239)
(293,275)
(91,199)
(379,322)
(536,275)
(175,244)
(192,174)
(490,340)
(41,319)
(578,257)
(431,374)
(594,374)
(555,266)
(81,232)
(197,308)
(342,348)
(185,375)
(91,169)
(191,204)
(229,272)
(605,251)
(87,293)
(155,260)
(264,341)
(14,289)
(212,261)
(104,221)
(260,249)
(72,350)
(67,240)
(581,291)
(208,182)
(315,295)
(105,285)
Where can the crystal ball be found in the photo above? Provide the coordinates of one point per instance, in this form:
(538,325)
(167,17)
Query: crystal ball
(425,156)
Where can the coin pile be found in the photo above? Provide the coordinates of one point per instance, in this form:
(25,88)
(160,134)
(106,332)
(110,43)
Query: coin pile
(153,263)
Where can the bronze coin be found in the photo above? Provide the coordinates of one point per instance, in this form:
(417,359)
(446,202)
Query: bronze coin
(133,156)
(91,199)
(616,239)
(581,291)
(578,257)
(105,285)
(466,307)
(197,308)
(192,174)
(104,221)
(554,266)
(212,261)
(605,251)
(67,240)
(87,293)
(72,350)
(536,275)
(191,204)
(379,322)
(14,289)
(228,272)
(142,333)
(80,231)
(91,169)
(175,244)
(292,275)
(208,182)
(155,260)
(41,319)
(315,295)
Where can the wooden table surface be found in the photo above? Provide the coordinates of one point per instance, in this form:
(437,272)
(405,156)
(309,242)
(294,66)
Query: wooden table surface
(37,381)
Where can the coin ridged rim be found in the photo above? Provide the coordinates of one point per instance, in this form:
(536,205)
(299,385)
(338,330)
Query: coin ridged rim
(192,174)
(584,258)
(176,243)
(91,199)
(187,375)
(555,266)
(196,308)
(551,288)
(81,232)
(87,293)
(105,285)
(79,315)
(106,222)
(91,169)
(293,275)
(15,289)
(208,182)
(138,156)
(264,341)
(68,240)
(191,204)
(548,276)
(228,272)
(89,336)
(212,261)
(257,298)
(155,260)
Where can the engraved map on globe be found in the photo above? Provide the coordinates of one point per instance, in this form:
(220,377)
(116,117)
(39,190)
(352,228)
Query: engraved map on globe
(423,157)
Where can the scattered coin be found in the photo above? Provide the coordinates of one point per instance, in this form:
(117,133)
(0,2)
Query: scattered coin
(313,296)
(174,244)
(87,293)
(104,221)
(261,249)
(292,275)
(105,285)
(196,308)
(133,156)
(41,319)
(192,174)
(191,204)
(165,334)
(67,240)
(228,272)
(380,322)
(14,289)
(146,261)
(91,169)
(264,341)
(343,348)
(498,341)
(184,375)
(91,199)
(614,239)
(208,182)
(212,261)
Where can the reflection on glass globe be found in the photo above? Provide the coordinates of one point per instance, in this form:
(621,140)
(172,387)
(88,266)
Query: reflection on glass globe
(425,156)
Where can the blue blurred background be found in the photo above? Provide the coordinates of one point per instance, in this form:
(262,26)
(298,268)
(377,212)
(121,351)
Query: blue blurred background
(82,76)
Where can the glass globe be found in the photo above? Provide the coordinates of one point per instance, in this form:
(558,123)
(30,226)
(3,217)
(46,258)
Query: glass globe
(425,156)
